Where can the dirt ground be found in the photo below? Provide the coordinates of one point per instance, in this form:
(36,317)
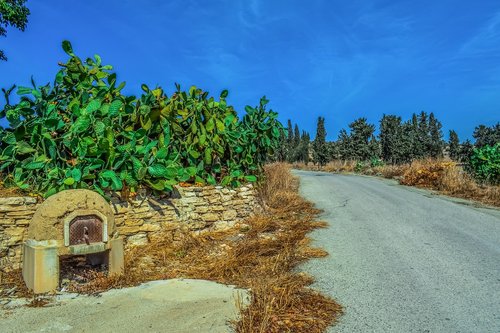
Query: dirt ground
(174,305)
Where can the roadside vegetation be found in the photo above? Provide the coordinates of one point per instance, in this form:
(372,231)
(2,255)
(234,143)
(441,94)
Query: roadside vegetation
(263,254)
(413,152)
(83,132)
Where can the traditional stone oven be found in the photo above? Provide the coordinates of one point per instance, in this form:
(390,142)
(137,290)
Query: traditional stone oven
(72,222)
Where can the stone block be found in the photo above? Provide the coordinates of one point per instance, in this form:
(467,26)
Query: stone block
(14,235)
(229,215)
(213,200)
(149,227)
(190,200)
(128,230)
(41,266)
(138,239)
(16,201)
(134,222)
(223,225)
(23,222)
(116,259)
(201,209)
(8,221)
(210,217)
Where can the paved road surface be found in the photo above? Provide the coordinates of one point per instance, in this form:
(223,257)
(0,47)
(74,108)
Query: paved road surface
(405,260)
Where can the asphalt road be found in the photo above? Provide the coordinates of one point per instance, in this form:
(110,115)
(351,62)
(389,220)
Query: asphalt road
(403,259)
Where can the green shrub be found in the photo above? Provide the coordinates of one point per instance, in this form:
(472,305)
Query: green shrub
(360,166)
(485,163)
(376,162)
(82,132)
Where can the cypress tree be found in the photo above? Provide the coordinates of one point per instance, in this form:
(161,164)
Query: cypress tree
(423,137)
(363,144)
(416,148)
(289,142)
(344,145)
(296,136)
(320,148)
(454,146)
(304,147)
(466,150)
(281,152)
(390,138)
(435,149)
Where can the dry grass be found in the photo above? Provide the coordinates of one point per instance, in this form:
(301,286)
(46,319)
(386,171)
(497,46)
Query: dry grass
(262,254)
(332,166)
(448,178)
(440,175)
(6,192)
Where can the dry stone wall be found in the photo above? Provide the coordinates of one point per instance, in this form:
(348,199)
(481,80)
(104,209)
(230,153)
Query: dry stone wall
(141,219)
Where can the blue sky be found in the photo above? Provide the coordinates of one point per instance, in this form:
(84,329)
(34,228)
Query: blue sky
(337,59)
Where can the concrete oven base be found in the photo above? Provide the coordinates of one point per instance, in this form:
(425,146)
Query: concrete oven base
(41,262)
(41,266)
(114,258)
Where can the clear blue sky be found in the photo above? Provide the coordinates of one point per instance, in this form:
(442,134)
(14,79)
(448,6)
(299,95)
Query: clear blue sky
(337,59)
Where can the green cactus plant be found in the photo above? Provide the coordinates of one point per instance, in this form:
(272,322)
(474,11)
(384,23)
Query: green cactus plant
(83,132)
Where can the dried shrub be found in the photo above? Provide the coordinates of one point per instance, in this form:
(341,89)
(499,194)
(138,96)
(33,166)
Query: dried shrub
(390,171)
(426,173)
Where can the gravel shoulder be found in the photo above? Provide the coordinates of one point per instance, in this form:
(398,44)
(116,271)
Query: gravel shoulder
(404,259)
(176,306)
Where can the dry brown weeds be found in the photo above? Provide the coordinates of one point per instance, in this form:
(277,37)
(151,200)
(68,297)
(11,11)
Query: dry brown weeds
(262,254)
(449,178)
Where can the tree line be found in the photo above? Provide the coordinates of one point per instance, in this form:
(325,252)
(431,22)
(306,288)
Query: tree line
(399,141)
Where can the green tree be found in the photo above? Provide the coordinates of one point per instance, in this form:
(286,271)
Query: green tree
(435,148)
(486,136)
(303,149)
(363,144)
(344,145)
(320,148)
(12,13)
(417,148)
(296,136)
(390,138)
(281,151)
(333,150)
(289,141)
(454,146)
(466,151)
(423,136)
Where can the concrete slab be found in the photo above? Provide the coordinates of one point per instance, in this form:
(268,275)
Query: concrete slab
(159,306)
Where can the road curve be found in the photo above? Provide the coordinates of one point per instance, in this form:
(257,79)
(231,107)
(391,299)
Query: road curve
(403,259)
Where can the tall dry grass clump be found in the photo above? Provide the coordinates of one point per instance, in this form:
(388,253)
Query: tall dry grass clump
(261,254)
(332,166)
(426,173)
(278,180)
(449,178)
